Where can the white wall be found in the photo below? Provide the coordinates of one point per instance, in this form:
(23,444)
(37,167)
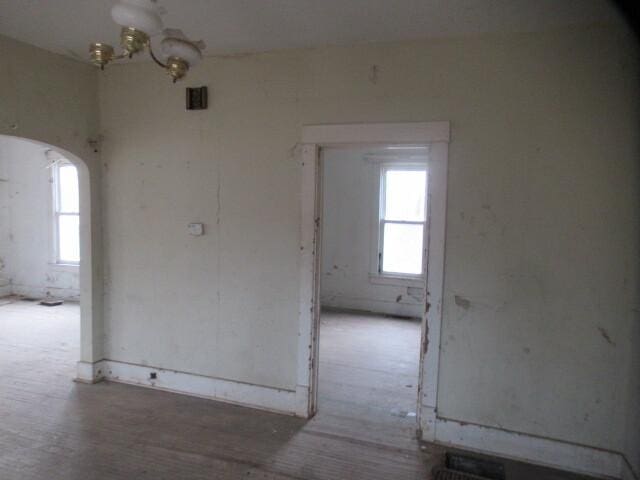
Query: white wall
(26,249)
(541,270)
(349,196)
(542,234)
(5,288)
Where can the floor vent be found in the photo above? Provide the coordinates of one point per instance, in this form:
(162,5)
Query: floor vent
(446,474)
(477,467)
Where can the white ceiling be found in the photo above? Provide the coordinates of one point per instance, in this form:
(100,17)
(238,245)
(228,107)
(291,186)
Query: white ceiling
(237,26)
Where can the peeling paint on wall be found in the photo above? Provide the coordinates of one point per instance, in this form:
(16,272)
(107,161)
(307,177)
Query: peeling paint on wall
(462,302)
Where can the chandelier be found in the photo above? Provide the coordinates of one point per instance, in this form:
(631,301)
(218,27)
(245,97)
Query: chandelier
(140,20)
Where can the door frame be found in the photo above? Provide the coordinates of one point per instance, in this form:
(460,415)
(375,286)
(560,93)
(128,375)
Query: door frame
(436,136)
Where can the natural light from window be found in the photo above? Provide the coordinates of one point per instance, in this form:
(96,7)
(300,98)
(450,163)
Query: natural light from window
(402,219)
(67,213)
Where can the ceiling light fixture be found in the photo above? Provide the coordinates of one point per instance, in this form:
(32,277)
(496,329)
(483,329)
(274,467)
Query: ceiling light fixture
(140,20)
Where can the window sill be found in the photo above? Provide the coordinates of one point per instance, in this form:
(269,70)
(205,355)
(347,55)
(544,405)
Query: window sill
(397,280)
(65,267)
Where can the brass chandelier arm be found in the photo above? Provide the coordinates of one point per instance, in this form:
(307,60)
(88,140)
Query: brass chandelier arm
(154,57)
(122,55)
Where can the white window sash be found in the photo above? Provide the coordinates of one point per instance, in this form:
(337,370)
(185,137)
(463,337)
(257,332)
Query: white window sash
(382,220)
(57,213)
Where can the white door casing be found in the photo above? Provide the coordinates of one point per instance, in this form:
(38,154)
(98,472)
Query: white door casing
(435,135)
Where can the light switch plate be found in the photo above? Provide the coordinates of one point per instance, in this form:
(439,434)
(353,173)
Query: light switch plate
(196,229)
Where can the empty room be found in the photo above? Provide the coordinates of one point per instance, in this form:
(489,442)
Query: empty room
(373,235)
(355,239)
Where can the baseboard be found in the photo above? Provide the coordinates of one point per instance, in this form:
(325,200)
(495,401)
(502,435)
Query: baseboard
(528,448)
(88,372)
(302,401)
(374,306)
(43,292)
(229,391)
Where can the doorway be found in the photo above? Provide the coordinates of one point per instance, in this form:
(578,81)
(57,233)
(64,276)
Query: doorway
(372,282)
(46,247)
(433,138)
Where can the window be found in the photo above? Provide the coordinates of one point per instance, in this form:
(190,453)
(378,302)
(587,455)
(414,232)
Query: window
(66,213)
(402,220)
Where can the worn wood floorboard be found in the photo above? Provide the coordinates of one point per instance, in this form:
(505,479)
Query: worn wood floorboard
(53,429)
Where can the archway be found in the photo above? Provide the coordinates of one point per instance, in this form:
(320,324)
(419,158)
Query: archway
(89,266)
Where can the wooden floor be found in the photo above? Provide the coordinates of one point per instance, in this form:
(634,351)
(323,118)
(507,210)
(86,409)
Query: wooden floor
(369,371)
(52,428)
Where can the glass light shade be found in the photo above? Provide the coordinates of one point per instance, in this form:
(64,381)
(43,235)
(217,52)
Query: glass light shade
(183,49)
(139,14)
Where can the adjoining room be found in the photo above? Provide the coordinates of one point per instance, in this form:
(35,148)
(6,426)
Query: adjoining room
(40,251)
(374,229)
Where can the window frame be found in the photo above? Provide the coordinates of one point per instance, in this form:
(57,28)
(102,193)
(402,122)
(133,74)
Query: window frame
(57,213)
(377,274)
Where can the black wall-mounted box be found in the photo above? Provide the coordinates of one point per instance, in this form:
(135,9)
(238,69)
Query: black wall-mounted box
(197,98)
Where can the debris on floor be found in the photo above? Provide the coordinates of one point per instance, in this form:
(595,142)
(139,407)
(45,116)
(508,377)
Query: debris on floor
(49,302)
(396,412)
